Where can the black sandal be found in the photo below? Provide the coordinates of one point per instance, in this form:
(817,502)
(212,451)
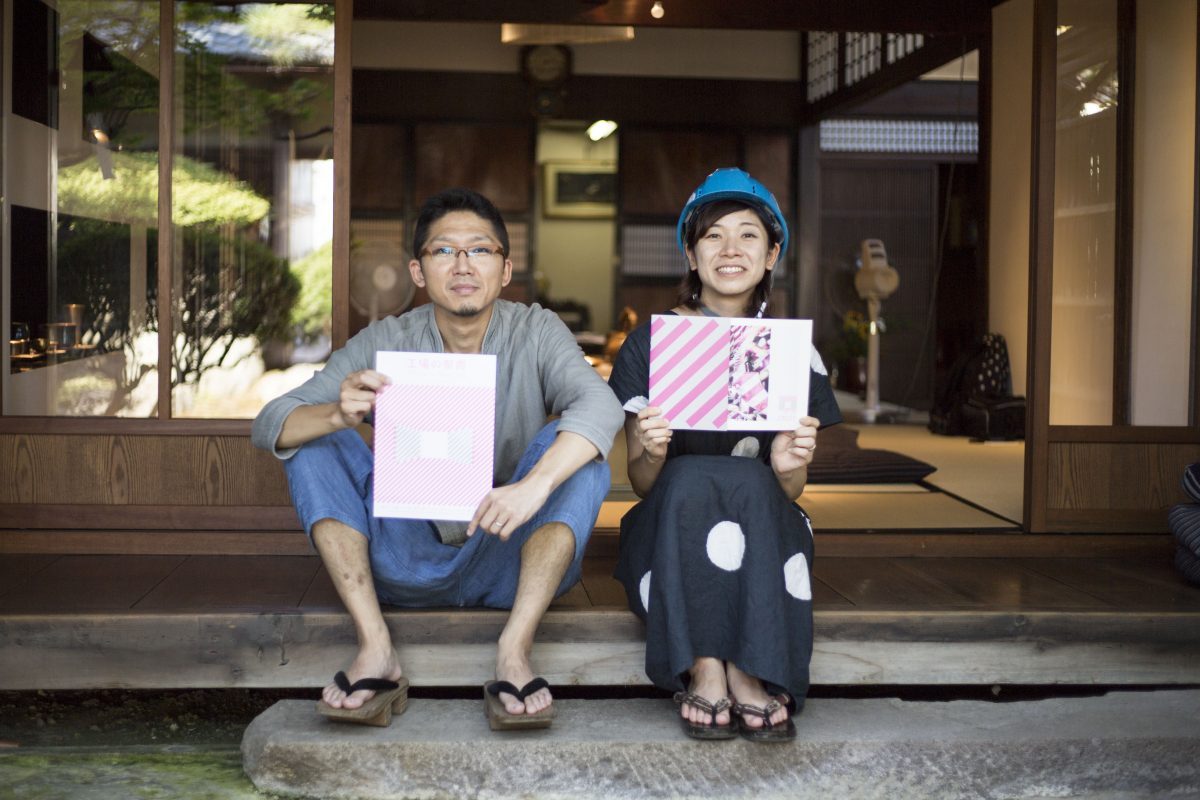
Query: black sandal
(498,717)
(766,732)
(391,697)
(712,730)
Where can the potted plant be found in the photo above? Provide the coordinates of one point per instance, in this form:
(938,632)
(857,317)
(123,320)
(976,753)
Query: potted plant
(848,353)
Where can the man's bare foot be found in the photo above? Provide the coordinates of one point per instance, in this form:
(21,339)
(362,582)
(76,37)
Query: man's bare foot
(708,681)
(368,664)
(512,665)
(749,691)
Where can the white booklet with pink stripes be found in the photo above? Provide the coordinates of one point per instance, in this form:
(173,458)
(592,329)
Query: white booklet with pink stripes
(434,434)
(726,373)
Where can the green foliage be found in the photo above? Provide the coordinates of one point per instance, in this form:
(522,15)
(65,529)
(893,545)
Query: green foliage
(200,194)
(851,341)
(314,306)
(233,286)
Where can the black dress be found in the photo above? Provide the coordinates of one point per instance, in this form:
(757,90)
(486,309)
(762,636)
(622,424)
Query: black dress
(716,559)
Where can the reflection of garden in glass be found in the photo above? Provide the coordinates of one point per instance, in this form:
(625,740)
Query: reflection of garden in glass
(252,291)
(251,197)
(85,303)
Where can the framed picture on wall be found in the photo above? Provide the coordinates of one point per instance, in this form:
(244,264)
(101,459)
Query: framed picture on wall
(579,189)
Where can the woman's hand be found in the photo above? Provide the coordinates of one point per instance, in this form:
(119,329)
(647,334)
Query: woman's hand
(791,450)
(357,396)
(653,434)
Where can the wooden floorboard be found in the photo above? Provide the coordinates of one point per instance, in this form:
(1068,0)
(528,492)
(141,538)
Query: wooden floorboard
(215,583)
(883,583)
(1132,585)
(1001,584)
(90,584)
(19,571)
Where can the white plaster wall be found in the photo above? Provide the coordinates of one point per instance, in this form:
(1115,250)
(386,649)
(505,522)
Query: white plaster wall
(1164,159)
(684,53)
(1008,222)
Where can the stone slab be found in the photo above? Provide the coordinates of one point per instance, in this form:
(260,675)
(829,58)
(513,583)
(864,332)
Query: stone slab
(1123,744)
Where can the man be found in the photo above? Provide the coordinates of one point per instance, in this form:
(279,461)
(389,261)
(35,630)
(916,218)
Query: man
(525,542)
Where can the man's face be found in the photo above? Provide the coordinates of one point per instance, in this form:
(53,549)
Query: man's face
(463,285)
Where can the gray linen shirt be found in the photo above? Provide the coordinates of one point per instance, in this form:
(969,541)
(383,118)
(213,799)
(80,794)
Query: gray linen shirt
(540,372)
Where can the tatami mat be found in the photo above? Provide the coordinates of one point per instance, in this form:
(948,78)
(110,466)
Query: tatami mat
(902,507)
(973,479)
(987,474)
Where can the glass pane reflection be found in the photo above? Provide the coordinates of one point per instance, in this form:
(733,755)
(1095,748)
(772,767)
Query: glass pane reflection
(252,197)
(1085,212)
(82,338)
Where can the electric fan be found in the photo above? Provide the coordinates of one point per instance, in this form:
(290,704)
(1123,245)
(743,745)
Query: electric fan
(875,281)
(380,284)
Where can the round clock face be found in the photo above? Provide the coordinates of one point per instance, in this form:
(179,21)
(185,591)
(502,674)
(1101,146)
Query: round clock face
(546,63)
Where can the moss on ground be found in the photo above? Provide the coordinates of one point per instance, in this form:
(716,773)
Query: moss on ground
(137,776)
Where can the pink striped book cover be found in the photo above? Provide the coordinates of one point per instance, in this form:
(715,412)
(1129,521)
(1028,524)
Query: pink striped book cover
(434,434)
(720,373)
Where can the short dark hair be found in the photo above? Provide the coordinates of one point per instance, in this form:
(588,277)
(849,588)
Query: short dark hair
(702,220)
(457,199)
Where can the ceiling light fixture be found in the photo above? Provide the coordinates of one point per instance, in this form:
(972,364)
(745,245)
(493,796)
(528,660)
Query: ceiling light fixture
(517,33)
(601,129)
(657,11)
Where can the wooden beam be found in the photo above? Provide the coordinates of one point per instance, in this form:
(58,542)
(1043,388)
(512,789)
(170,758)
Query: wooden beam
(935,52)
(586,647)
(912,16)
(1123,268)
(166,223)
(32,516)
(1041,263)
(343,17)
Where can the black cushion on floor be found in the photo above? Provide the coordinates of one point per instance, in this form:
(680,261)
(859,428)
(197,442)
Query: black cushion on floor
(1189,564)
(1184,522)
(839,459)
(1191,481)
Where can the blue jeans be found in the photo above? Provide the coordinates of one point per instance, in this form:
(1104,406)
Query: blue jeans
(331,478)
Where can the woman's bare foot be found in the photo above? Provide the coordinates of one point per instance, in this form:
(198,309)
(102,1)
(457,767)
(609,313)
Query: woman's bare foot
(368,664)
(512,665)
(749,691)
(708,681)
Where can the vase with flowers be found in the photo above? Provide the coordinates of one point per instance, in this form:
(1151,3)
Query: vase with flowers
(848,352)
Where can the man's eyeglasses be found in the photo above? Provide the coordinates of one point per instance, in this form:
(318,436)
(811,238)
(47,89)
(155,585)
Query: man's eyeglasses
(479,254)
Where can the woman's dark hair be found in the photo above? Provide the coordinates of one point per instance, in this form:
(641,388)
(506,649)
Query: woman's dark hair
(701,221)
(442,203)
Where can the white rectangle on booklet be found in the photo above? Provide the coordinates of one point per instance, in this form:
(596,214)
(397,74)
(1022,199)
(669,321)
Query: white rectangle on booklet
(730,373)
(434,434)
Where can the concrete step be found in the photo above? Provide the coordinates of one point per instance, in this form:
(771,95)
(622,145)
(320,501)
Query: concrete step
(1122,744)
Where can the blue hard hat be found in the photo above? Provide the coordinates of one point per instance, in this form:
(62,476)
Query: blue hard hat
(731,183)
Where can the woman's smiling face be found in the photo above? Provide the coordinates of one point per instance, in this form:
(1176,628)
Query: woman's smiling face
(733,254)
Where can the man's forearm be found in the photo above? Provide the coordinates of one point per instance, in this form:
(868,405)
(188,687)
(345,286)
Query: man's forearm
(306,423)
(562,459)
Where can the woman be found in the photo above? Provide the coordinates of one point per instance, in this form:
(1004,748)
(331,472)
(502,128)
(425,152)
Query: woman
(717,557)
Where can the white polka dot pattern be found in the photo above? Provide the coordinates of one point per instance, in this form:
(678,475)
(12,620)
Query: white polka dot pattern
(644,591)
(795,577)
(818,366)
(726,545)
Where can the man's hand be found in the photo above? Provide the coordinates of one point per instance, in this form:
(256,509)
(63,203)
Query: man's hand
(357,396)
(791,450)
(507,508)
(653,434)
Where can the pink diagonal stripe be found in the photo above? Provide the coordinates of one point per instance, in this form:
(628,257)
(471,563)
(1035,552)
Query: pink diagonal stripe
(656,325)
(686,350)
(717,396)
(721,343)
(720,420)
(711,383)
